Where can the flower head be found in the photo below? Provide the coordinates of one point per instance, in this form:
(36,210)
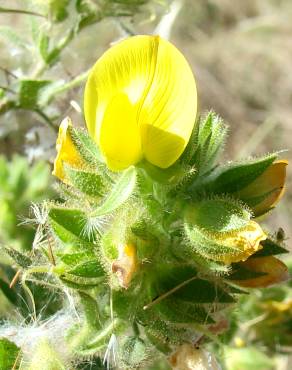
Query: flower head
(140,102)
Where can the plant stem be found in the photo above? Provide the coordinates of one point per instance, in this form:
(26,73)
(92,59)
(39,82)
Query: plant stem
(21,11)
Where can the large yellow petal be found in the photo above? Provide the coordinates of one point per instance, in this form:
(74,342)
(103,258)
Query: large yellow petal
(128,67)
(119,134)
(161,90)
(168,113)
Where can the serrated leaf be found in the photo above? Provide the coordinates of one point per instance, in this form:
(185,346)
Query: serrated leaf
(89,183)
(121,192)
(90,269)
(8,354)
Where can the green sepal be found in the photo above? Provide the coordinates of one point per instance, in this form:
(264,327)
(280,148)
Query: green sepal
(166,176)
(91,310)
(89,269)
(158,341)
(120,193)
(202,243)
(8,354)
(206,143)
(86,147)
(89,183)
(133,352)
(79,283)
(236,176)
(217,215)
(270,248)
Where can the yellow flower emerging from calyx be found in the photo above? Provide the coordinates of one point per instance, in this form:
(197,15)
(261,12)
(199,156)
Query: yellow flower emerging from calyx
(141,102)
(67,152)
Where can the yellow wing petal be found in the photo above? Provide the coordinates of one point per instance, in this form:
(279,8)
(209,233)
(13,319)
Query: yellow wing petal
(119,134)
(168,113)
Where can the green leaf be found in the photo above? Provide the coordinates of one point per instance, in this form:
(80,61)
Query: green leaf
(196,291)
(270,248)
(30,91)
(120,193)
(8,354)
(58,10)
(68,225)
(21,259)
(73,259)
(8,292)
(89,183)
(90,269)
(217,215)
(236,176)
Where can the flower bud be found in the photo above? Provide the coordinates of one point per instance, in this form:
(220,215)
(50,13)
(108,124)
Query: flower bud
(67,152)
(266,191)
(275,272)
(126,264)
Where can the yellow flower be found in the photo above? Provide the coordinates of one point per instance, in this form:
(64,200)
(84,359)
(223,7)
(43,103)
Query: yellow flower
(269,186)
(276,271)
(66,151)
(140,102)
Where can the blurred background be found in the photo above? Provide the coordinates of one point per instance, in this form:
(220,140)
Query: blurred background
(240,52)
